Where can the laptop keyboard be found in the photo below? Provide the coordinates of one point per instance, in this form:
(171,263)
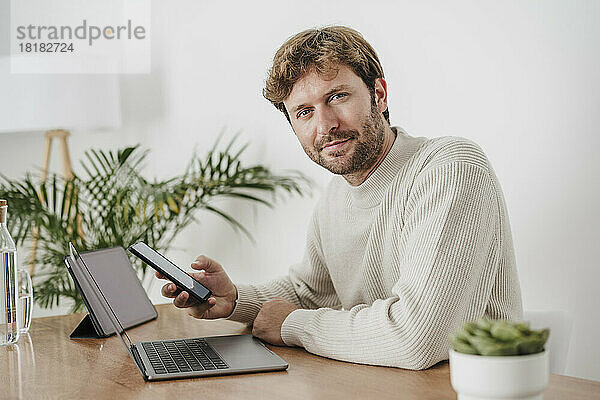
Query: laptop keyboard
(170,356)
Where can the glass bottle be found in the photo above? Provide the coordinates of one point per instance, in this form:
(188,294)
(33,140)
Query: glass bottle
(9,327)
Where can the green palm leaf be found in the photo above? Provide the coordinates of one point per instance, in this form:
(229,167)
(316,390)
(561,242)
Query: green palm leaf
(112,204)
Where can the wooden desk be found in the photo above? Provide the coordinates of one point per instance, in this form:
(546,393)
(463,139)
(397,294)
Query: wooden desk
(47,364)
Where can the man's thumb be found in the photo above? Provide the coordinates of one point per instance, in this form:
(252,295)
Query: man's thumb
(205,263)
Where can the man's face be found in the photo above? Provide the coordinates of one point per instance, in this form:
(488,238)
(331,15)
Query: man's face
(337,121)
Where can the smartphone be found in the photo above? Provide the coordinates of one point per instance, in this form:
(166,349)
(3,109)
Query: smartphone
(179,277)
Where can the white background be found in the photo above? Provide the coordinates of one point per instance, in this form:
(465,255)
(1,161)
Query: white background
(518,77)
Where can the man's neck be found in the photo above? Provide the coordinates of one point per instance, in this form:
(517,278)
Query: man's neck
(358,178)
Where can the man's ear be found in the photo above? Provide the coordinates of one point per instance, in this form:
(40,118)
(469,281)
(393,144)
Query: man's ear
(381,94)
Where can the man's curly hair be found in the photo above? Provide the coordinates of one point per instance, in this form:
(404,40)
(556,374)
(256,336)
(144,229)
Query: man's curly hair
(323,50)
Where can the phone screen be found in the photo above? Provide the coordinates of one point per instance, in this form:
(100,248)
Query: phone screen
(163,265)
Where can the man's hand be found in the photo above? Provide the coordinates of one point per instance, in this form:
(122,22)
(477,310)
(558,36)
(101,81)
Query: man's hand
(268,322)
(213,276)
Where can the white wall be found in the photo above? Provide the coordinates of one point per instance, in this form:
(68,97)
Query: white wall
(518,77)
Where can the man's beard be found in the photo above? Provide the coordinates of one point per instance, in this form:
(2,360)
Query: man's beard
(367,147)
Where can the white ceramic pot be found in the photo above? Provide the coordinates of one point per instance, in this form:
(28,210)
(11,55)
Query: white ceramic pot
(499,377)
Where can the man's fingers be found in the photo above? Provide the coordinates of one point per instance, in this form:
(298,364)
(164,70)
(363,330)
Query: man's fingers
(170,290)
(160,276)
(199,276)
(181,300)
(205,263)
(197,310)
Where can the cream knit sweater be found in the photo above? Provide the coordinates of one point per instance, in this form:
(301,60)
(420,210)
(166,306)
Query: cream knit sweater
(393,266)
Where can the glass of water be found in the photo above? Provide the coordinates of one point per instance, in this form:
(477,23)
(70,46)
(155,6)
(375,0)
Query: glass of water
(25,301)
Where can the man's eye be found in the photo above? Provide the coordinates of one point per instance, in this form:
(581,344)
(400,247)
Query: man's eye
(337,96)
(302,113)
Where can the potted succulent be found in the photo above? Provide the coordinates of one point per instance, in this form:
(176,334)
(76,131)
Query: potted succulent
(499,360)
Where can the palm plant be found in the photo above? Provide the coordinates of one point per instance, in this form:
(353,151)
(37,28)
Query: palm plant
(112,204)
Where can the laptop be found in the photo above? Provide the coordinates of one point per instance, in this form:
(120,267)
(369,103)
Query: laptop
(189,357)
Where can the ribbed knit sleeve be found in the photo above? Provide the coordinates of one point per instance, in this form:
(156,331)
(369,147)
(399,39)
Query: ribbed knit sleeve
(447,253)
(308,284)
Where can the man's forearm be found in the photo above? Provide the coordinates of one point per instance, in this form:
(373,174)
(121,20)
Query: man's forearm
(387,333)
(250,298)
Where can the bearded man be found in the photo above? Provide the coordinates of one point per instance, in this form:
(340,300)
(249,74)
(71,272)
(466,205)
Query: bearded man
(410,239)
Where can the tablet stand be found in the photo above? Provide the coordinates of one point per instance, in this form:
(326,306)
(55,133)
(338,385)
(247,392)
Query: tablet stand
(85,330)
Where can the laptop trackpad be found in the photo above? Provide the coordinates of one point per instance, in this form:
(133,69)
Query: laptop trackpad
(245,351)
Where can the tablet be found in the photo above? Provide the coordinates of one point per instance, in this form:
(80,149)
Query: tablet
(117,279)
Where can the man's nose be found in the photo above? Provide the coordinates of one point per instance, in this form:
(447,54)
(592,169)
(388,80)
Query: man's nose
(327,121)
